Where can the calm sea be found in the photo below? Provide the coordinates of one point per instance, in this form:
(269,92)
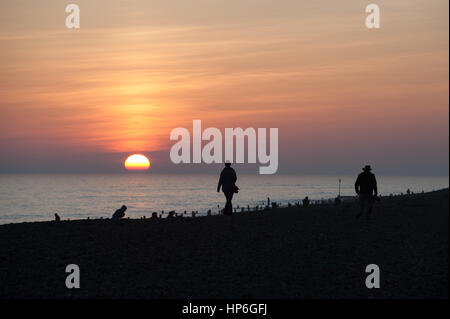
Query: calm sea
(38,197)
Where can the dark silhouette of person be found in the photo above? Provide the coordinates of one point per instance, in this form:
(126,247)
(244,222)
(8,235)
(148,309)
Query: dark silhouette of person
(305,202)
(227,181)
(119,213)
(57,218)
(366,188)
(171,214)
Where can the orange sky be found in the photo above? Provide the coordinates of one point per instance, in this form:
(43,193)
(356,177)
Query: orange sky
(137,69)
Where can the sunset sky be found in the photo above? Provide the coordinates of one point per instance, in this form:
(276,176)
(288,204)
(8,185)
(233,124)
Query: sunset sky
(342,95)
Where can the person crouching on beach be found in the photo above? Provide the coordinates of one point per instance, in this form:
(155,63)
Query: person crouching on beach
(366,188)
(119,213)
(227,181)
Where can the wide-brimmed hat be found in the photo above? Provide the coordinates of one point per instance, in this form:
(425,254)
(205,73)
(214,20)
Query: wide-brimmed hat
(227,163)
(367,168)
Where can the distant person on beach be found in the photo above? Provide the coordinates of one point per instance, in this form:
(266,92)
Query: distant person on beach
(366,188)
(119,213)
(305,202)
(227,181)
(57,218)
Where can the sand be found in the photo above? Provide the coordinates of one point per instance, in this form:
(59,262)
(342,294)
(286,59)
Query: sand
(318,252)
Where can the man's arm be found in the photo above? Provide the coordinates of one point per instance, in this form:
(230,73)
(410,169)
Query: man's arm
(220,183)
(375,188)
(357,185)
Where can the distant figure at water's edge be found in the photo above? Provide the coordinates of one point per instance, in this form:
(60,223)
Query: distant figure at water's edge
(119,213)
(227,181)
(306,202)
(366,188)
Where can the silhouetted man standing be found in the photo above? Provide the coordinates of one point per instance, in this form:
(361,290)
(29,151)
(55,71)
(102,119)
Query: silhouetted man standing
(227,181)
(366,188)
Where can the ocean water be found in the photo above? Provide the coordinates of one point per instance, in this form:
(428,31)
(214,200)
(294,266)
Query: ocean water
(38,197)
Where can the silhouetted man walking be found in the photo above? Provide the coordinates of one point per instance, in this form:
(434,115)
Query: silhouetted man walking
(366,188)
(227,181)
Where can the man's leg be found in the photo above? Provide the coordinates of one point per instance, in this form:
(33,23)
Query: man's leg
(226,209)
(362,205)
(229,205)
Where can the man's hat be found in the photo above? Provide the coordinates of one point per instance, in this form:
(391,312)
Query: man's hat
(227,163)
(367,168)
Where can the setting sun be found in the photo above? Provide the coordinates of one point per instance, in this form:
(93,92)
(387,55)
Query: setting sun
(137,162)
